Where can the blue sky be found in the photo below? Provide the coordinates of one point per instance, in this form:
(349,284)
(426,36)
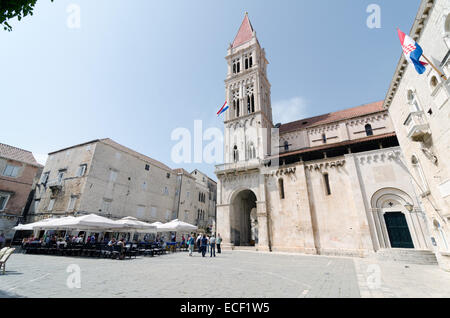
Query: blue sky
(136,70)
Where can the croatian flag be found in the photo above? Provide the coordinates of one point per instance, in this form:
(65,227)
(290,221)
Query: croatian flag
(223,109)
(412,52)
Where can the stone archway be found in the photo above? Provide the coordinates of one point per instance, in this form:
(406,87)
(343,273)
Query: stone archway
(395,225)
(243,219)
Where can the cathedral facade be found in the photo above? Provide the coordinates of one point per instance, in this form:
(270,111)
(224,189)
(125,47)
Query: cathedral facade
(334,184)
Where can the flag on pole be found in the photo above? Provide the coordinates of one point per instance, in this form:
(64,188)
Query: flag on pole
(412,51)
(223,109)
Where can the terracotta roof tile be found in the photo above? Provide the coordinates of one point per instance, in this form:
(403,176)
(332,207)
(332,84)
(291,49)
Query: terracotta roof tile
(13,153)
(244,34)
(332,117)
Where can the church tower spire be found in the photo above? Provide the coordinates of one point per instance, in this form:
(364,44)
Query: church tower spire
(248,94)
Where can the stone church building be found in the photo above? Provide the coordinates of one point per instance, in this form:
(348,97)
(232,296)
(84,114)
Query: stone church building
(333,184)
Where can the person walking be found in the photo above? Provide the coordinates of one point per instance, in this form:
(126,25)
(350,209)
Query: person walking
(199,243)
(191,244)
(218,242)
(204,242)
(212,246)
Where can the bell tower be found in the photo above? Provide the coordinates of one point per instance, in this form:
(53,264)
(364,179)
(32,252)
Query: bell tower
(248,121)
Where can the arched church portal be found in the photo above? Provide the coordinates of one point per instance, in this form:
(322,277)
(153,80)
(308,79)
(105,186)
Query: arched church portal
(395,225)
(244,223)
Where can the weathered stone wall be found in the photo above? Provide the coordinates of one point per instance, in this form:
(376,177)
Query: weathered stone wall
(434,102)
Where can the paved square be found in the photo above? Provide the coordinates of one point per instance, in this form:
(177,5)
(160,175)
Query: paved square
(231,274)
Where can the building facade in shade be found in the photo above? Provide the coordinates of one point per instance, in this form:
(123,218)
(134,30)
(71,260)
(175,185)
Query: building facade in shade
(18,170)
(419,106)
(331,184)
(108,179)
(196,203)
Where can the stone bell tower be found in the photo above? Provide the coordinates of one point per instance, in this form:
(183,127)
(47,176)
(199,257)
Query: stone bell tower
(248,95)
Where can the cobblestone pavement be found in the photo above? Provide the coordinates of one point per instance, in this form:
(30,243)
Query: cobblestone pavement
(231,274)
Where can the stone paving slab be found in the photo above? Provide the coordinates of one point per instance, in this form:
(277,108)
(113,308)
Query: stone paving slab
(231,274)
(401,280)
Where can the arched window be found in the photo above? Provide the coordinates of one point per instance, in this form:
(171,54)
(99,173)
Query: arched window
(369,131)
(286,146)
(413,102)
(234,68)
(252,100)
(246,64)
(235,154)
(281,188)
(433,82)
(251,151)
(238,67)
(250,62)
(447,25)
(248,105)
(447,31)
(326,180)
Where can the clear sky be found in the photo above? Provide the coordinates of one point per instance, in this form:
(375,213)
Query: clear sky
(135,70)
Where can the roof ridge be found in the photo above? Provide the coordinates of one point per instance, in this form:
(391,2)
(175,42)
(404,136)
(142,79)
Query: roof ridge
(333,116)
(16,147)
(245,32)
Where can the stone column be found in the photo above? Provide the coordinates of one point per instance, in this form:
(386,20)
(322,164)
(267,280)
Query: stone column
(223,224)
(263,234)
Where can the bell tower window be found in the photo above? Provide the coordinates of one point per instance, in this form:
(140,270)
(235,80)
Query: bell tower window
(235,154)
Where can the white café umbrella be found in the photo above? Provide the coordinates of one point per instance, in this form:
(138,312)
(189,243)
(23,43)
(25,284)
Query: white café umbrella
(31,226)
(160,227)
(87,222)
(177,226)
(132,224)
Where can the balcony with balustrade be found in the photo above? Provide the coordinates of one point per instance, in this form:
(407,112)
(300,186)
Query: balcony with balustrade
(417,126)
(238,166)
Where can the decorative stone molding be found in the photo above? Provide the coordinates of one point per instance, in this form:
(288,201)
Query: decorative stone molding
(326,165)
(284,171)
(321,129)
(378,156)
(365,120)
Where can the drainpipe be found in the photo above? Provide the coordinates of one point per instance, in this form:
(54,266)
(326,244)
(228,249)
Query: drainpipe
(179,196)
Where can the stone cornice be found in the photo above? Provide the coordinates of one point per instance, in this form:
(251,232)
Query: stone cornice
(325,164)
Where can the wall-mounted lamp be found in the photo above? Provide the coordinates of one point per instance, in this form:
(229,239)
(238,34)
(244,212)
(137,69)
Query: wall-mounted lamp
(409,207)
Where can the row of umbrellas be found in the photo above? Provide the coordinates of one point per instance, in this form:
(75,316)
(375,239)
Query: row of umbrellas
(95,222)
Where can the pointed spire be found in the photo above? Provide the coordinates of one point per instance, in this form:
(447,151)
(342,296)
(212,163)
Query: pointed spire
(245,32)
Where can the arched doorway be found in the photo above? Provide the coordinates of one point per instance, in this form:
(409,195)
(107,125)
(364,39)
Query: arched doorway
(398,220)
(243,222)
(398,231)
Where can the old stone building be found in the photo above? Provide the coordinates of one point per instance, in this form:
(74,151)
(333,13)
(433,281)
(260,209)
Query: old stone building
(419,107)
(197,201)
(108,179)
(18,169)
(330,184)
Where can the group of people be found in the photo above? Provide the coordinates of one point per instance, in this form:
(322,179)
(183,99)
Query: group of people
(205,243)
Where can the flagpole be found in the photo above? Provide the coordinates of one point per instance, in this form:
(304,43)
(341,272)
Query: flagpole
(435,68)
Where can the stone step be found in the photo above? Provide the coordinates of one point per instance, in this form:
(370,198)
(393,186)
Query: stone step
(421,257)
(243,248)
